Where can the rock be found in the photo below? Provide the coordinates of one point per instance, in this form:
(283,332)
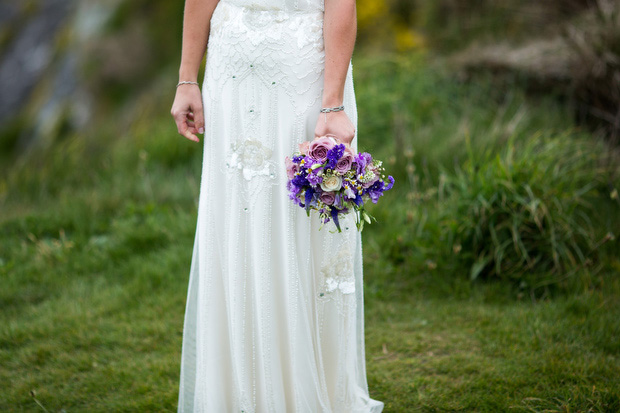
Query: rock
(543,59)
(29,54)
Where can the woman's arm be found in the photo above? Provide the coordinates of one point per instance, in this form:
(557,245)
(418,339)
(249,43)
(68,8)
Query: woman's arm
(339,31)
(187,108)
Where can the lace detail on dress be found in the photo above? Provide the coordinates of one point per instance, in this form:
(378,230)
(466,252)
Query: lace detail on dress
(252,159)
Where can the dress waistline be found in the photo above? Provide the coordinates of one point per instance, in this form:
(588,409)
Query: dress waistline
(257,8)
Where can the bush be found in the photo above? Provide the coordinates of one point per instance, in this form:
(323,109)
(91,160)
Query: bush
(450,145)
(523,214)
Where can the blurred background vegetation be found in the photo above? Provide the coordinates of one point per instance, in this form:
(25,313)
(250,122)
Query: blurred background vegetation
(499,120)
(92,62)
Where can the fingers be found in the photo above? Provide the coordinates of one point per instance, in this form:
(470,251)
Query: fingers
(184,130)
(189,135)
(199,119)
(188,114)
(190,122)
(183,125)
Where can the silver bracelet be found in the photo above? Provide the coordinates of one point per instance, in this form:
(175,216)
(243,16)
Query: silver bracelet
(187,82)
(327,110)
(336,109)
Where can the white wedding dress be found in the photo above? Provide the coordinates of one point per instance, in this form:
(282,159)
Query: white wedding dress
(274,319)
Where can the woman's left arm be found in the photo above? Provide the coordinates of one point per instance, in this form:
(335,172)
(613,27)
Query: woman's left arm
(339,32)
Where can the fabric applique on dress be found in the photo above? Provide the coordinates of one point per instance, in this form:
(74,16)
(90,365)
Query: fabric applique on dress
(338,273)
(337,276)
(252,159)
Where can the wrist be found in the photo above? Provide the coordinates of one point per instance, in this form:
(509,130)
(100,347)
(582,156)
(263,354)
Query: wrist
(188,75)
(332,101)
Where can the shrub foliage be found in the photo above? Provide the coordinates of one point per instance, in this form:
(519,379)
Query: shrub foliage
(523,213)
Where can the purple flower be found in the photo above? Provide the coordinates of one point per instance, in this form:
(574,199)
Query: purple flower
(293,193)
(334,155)
(292,187)
(314,179)
(374,195)
(338,202)
(308,198)
(362,160)
(359,201)
(334,214)
(300,180)
(378,188)
(309,162)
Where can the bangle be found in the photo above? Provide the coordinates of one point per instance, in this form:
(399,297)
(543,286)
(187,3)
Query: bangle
(187,82)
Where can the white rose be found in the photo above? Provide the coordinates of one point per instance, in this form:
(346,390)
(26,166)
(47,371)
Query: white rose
(331,183)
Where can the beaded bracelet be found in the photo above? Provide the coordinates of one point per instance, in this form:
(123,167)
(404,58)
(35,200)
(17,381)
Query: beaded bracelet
(187,82)
(327,110)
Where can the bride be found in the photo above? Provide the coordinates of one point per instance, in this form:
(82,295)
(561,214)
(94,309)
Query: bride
(274,319)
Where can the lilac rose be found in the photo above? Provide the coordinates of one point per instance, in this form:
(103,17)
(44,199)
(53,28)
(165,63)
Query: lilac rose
(328,197)
(291,168)
(319,147)
(346,160)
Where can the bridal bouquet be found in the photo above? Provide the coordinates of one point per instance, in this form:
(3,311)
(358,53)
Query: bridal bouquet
(330,178)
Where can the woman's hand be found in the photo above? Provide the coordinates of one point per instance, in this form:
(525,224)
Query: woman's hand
(187,112)
(338,125)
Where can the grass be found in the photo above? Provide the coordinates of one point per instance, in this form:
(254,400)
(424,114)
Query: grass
(95,246)
(470,355)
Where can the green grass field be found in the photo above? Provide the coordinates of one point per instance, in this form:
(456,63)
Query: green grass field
(96,238)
